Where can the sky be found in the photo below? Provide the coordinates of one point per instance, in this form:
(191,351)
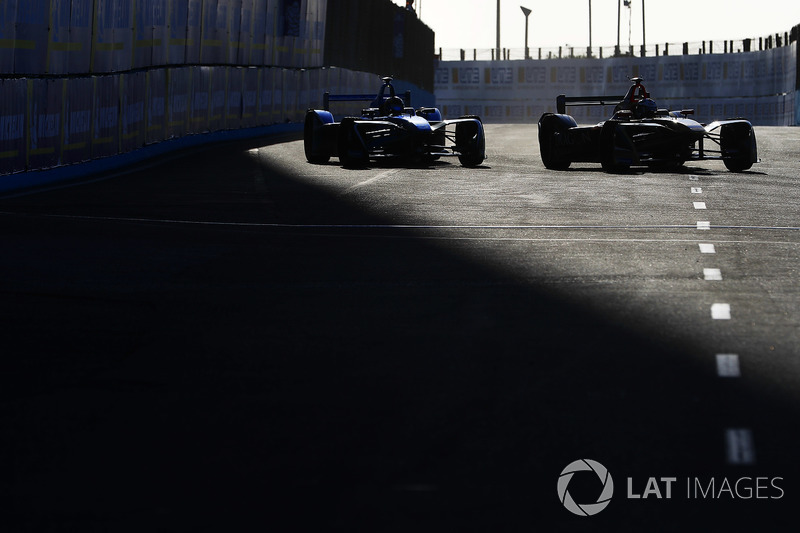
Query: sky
(471,24)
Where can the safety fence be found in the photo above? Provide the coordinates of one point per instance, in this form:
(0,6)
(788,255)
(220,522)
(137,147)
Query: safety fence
(750,44)
(759,85)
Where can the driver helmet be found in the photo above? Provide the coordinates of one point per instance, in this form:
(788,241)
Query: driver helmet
(645,109)
(395,105)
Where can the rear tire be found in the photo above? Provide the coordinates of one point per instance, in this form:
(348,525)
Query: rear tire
(551,127)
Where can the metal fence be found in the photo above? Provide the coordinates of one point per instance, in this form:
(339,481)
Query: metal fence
(753,44)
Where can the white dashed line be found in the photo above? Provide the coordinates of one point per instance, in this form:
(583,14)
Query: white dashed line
(721,311)
(738,441)
(706,248)
(739,446)
(728,365)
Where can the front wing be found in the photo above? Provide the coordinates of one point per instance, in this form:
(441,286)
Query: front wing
(383,138)
(650,143)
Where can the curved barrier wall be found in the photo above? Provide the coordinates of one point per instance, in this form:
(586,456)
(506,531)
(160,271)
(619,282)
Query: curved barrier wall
(47,122)
(86,79)
(760,86)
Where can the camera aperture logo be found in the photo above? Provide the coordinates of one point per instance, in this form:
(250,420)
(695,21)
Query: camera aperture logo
(585,509)
(664,488)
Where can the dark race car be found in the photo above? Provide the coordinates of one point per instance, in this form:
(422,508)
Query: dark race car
(639,134)
(390,128)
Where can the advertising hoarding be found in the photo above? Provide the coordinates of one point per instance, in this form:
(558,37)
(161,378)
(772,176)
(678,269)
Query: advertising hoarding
(76,140)
(105,116)
(13,125)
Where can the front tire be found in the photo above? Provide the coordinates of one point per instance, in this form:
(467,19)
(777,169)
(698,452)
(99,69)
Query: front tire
(471,142)
(739,149)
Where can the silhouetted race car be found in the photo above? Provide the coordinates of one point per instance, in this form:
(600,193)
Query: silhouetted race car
(641,134)
(390,128)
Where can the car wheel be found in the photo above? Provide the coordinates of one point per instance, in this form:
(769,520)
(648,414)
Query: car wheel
(471,142)
(550,128)
(738,143)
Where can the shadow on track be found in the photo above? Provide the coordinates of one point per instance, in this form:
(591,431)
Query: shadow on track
(165,376)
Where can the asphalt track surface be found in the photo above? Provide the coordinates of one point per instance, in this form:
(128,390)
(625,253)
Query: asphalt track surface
(232,339)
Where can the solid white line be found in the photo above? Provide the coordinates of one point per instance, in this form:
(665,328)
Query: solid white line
(739,446)
(703,224)
(712,274)
(721,311)
(728,365)
(699,205)
(706,225)
(706,248)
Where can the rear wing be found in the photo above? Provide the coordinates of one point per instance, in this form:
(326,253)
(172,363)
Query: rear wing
(327,98)
(562,101)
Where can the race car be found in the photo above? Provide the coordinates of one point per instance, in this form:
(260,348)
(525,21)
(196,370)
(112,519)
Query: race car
(639,134)
(390,128)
